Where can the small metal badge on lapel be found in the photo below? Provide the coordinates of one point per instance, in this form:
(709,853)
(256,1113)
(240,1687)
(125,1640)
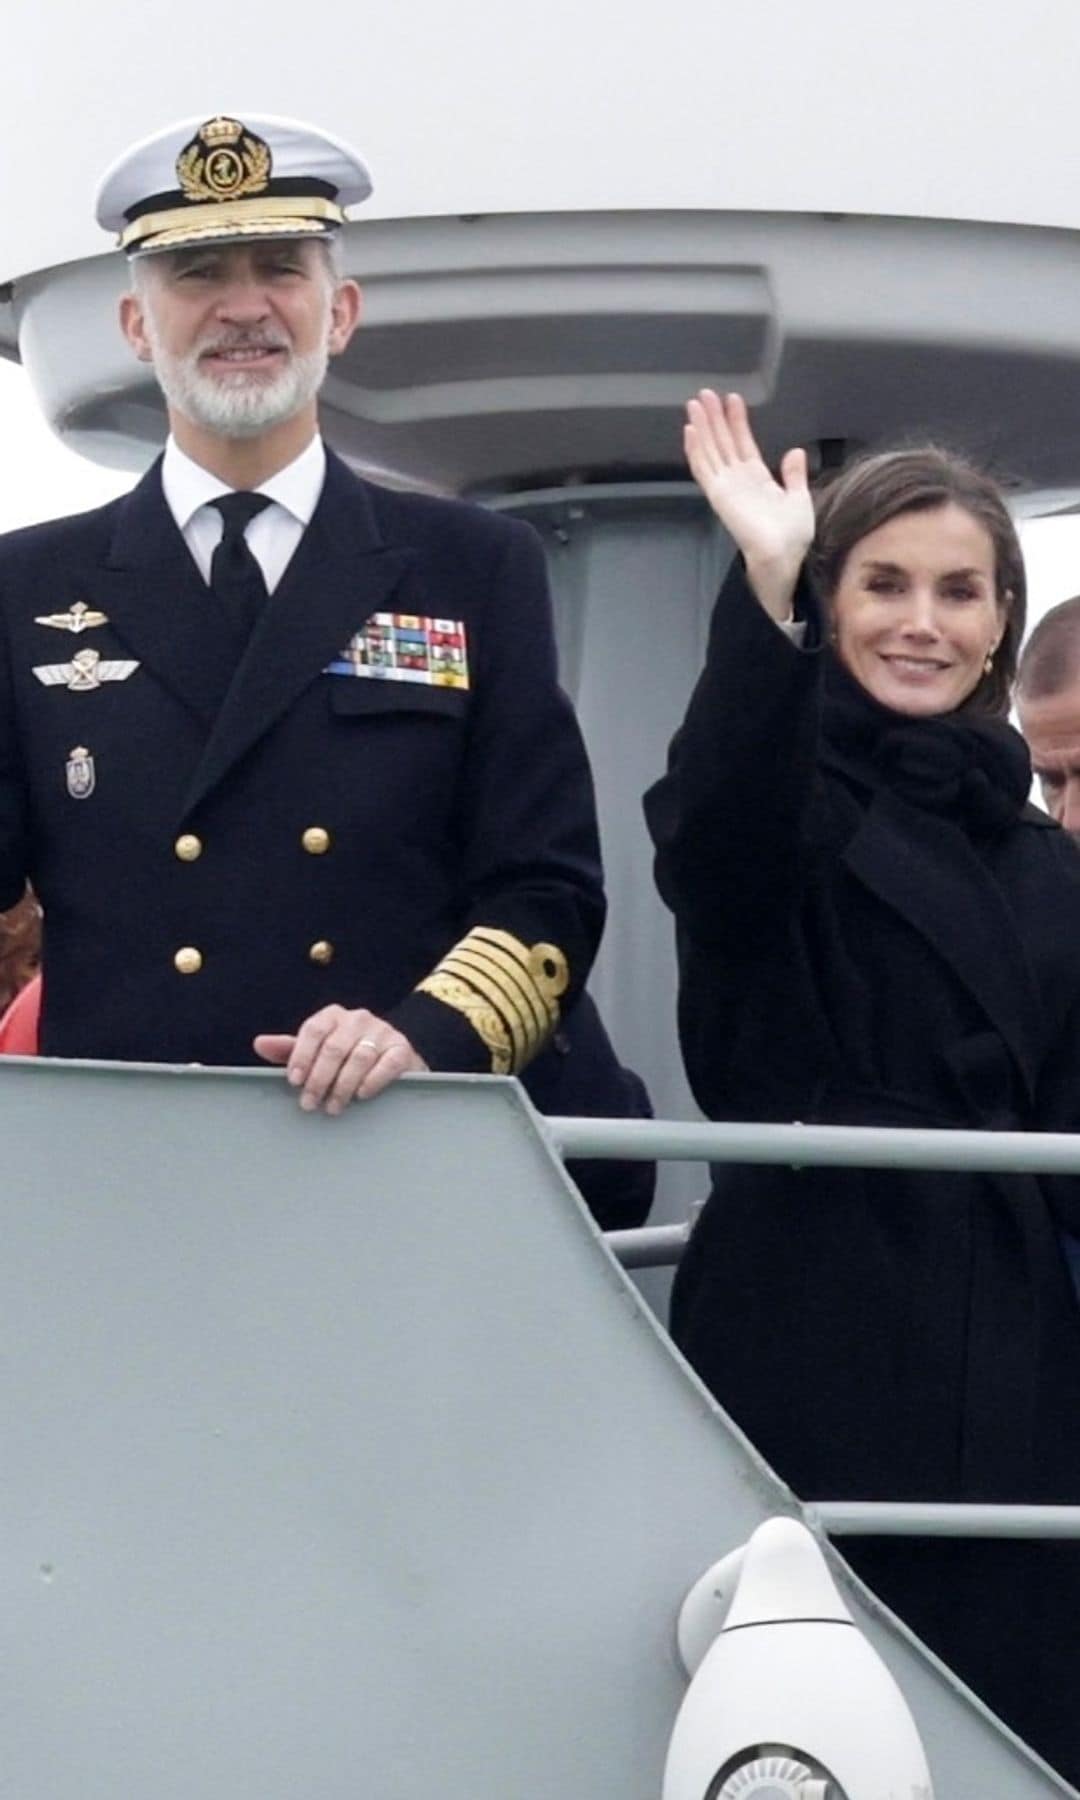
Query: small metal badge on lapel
(86,670)
(80,617)
(80,773)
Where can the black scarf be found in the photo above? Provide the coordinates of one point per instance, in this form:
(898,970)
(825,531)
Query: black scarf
(963,766)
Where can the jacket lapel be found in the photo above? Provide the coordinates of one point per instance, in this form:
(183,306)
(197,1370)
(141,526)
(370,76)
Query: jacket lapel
(157,602)
(341,573)
(926,870)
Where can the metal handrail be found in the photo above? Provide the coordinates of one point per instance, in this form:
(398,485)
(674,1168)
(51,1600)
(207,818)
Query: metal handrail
(833,1146)
(839,1146)
(967,1519)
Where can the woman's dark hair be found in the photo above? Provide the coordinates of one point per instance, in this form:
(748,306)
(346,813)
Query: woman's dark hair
(20,947)
(876,488)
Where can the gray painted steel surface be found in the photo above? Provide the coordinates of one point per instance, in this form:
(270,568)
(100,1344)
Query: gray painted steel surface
(340,1459)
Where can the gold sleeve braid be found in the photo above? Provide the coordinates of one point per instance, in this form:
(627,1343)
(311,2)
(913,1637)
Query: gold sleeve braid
(508,991)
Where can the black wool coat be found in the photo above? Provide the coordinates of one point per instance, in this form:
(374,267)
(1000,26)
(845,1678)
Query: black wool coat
(432,809)
(848,956)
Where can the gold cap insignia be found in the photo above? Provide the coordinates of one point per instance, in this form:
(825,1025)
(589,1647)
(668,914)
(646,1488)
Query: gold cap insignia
(223,161)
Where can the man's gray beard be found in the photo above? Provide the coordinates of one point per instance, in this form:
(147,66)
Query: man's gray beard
(245,410)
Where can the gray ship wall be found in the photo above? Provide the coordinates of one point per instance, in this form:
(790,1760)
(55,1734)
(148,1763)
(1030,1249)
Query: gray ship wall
(340,1459)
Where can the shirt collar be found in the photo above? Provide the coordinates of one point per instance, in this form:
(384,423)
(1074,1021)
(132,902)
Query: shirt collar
(187,485)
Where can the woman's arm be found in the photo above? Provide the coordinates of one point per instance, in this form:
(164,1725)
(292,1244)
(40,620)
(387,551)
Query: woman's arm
(727,819)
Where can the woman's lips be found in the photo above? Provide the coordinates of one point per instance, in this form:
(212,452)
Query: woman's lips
(919,668)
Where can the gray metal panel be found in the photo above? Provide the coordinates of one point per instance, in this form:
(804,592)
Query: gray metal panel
(515,350)
(341,1459)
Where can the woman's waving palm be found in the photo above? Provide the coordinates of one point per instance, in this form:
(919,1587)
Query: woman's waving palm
(771,521)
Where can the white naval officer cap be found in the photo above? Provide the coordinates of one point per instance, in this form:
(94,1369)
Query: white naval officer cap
(229,177)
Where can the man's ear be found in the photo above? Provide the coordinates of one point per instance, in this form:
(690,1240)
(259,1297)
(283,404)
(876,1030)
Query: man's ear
(345,310)
(133,326)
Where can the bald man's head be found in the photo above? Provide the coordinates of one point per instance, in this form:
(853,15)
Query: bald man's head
(1048,703)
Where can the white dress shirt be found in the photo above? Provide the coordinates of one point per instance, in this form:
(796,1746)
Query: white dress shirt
(272,536)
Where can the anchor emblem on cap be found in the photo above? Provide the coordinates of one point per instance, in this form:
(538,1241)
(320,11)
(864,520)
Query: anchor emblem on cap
(223,161)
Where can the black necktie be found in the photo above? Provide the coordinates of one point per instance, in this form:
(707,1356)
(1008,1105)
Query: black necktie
(235,576)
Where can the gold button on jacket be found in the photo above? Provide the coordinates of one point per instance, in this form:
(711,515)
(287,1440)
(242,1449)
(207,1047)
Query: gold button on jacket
(316,840)
(189,847)
(322,952)
(188,961)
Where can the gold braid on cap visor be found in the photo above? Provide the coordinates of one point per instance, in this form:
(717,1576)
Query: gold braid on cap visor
(186,224)
(508,991)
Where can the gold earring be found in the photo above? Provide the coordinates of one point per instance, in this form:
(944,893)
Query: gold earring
(989,663)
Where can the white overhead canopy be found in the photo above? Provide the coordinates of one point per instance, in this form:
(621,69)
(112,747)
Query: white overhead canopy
(920,109)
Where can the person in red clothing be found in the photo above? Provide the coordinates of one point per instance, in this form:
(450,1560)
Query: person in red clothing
(19,1024)
(20,953)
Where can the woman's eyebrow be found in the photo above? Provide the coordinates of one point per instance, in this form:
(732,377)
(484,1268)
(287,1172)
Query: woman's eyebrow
(873,566)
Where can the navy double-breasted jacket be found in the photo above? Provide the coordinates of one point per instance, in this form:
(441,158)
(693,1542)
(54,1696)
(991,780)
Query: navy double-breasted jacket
(222,847)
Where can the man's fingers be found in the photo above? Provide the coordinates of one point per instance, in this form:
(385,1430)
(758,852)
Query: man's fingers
(396,1059)
(352,1077)
(338,1056)
(339,1049)
(309,1041)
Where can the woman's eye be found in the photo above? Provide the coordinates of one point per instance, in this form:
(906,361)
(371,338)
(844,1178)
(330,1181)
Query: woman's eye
(962,590)
(883,584)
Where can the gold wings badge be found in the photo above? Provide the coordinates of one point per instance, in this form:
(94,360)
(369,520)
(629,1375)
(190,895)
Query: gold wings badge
(80,618)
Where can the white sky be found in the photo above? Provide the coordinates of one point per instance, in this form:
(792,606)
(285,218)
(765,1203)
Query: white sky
(42,478)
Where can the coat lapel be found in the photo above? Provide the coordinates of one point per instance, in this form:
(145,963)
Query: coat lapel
(926,870)
(157,602)
(341,573)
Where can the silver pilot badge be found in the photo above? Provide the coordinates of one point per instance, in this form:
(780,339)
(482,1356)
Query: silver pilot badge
(80,773)
(87,669)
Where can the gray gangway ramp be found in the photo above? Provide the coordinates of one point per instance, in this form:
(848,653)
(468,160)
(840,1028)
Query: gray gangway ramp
(342,1460)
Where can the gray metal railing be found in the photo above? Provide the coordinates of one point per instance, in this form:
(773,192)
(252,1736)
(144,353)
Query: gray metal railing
(798,1146)
(833,1146)
(894,1518)
(838,1146)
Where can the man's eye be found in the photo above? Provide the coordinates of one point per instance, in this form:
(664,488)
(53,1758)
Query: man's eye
(1051,784)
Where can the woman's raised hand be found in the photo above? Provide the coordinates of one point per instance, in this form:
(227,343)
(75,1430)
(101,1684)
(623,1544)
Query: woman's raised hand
(771,521)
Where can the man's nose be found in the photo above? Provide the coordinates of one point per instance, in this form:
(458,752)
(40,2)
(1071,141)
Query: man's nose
(243,300)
